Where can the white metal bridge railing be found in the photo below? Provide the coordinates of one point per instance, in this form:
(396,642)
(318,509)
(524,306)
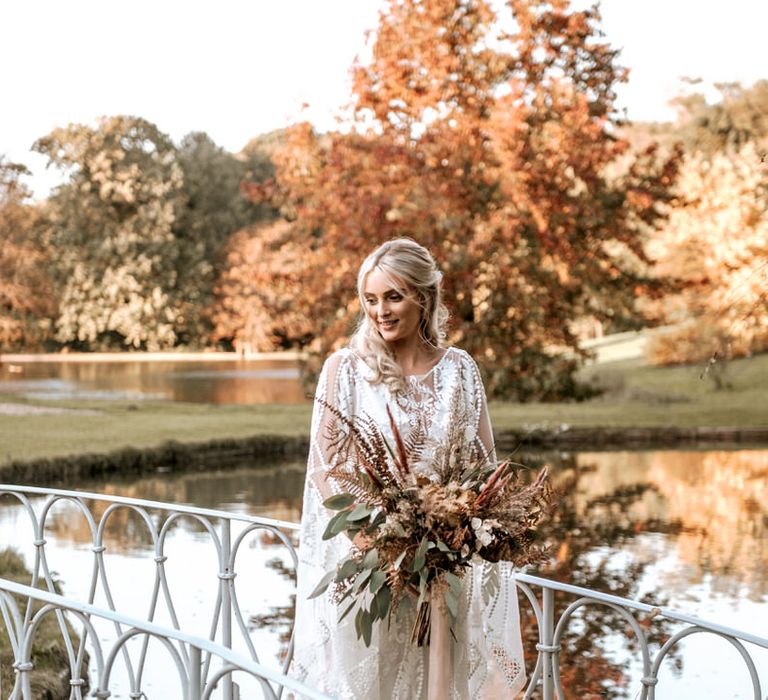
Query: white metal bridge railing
(207,663)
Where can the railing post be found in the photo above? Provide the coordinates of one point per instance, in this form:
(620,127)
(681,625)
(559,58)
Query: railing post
(225,576)
(194,673)
(546,647)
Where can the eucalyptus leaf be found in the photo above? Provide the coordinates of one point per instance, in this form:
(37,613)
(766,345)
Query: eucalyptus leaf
(348,610)
(359,512)
(370,560)
(323,585)
(361,580)
(367,626)
(398,529)
(420,558)
(339,501)
(347,568)
(334,528)
(452,603)
(384,596)
(454,582)
(400,558)
(377,580)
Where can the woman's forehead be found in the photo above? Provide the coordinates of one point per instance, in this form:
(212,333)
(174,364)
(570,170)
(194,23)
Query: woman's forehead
(378,281)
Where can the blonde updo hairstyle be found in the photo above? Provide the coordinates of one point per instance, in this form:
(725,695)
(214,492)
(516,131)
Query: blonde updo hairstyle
(414,274)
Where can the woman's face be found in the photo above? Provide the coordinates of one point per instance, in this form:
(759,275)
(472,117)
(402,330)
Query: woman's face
(395,316)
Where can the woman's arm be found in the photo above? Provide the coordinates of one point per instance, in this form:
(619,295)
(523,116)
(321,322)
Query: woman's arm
(335,387)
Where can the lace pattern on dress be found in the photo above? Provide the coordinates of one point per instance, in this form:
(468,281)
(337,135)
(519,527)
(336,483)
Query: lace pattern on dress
(488,659)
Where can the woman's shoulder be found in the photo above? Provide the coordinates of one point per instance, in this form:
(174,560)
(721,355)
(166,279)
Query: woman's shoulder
(460,355)
(339,358)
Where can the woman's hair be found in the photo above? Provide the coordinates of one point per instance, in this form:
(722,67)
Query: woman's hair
(413,272)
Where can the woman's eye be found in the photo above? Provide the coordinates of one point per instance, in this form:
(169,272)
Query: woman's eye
(395,297)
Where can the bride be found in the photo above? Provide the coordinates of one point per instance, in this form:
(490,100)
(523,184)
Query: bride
(397,357)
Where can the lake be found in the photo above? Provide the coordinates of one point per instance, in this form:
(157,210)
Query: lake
(219,381)
(687,529)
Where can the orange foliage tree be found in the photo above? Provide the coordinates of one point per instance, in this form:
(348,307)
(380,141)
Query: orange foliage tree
(26,300)
(486,138)
(716,243)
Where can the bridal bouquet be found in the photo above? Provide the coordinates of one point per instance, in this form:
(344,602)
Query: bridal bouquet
(418,512)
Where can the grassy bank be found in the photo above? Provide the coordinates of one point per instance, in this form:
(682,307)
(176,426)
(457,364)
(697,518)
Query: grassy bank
(49,678)
(635,396)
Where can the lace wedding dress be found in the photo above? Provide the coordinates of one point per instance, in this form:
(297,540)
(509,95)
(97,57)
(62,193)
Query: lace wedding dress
(487,654)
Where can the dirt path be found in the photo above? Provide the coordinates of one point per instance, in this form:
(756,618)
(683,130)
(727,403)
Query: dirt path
(20,409)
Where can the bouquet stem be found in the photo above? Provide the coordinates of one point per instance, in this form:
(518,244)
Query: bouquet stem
(439,677)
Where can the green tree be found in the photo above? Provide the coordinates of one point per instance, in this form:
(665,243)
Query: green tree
(213,209)
(112,228)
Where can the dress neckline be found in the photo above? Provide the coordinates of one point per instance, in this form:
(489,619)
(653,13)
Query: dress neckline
(431,369)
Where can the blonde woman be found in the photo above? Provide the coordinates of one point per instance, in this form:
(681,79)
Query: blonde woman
(398,357)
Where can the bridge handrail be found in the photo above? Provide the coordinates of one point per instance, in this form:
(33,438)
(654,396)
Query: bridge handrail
(156,505)
(229,617)
(233,659)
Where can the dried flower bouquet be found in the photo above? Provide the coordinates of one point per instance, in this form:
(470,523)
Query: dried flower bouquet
(418,513)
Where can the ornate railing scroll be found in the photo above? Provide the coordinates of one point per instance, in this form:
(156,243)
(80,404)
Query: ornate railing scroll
(193,682)
(552,627)
(227,533)
(216,656)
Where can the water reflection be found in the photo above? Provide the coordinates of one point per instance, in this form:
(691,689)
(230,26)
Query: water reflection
(680,528)
(718,500)
(224,382)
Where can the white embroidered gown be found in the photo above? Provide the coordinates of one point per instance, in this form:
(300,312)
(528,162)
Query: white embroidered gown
(487,654)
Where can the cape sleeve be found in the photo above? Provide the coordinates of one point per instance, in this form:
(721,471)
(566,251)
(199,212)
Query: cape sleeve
(335,387)
(492,616)
(478,404)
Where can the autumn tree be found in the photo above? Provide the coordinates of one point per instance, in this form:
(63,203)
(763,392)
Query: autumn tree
(26,301)
(738,118)
(487,139)
(716,242)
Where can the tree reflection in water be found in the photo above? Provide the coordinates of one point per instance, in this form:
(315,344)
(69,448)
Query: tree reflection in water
(704,513)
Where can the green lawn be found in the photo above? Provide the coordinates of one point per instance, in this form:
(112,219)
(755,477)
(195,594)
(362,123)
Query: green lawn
(639,396)
(635,396)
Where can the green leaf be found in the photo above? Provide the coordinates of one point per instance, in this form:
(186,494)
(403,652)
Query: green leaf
(452,603)
(398,529)
(335,525)
(359,512)
(348,610)
(400,558)
(339,501)
(347,568)
(384,598)
(367,627)
(442,546)
(420,558)
(377,580)
(359,622)
(361,580)
(454,582)
(323,585)
(370,560)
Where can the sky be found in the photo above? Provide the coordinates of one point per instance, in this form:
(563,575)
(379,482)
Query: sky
(237,68)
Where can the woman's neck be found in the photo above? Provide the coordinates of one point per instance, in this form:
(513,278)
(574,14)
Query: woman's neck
(415,356)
